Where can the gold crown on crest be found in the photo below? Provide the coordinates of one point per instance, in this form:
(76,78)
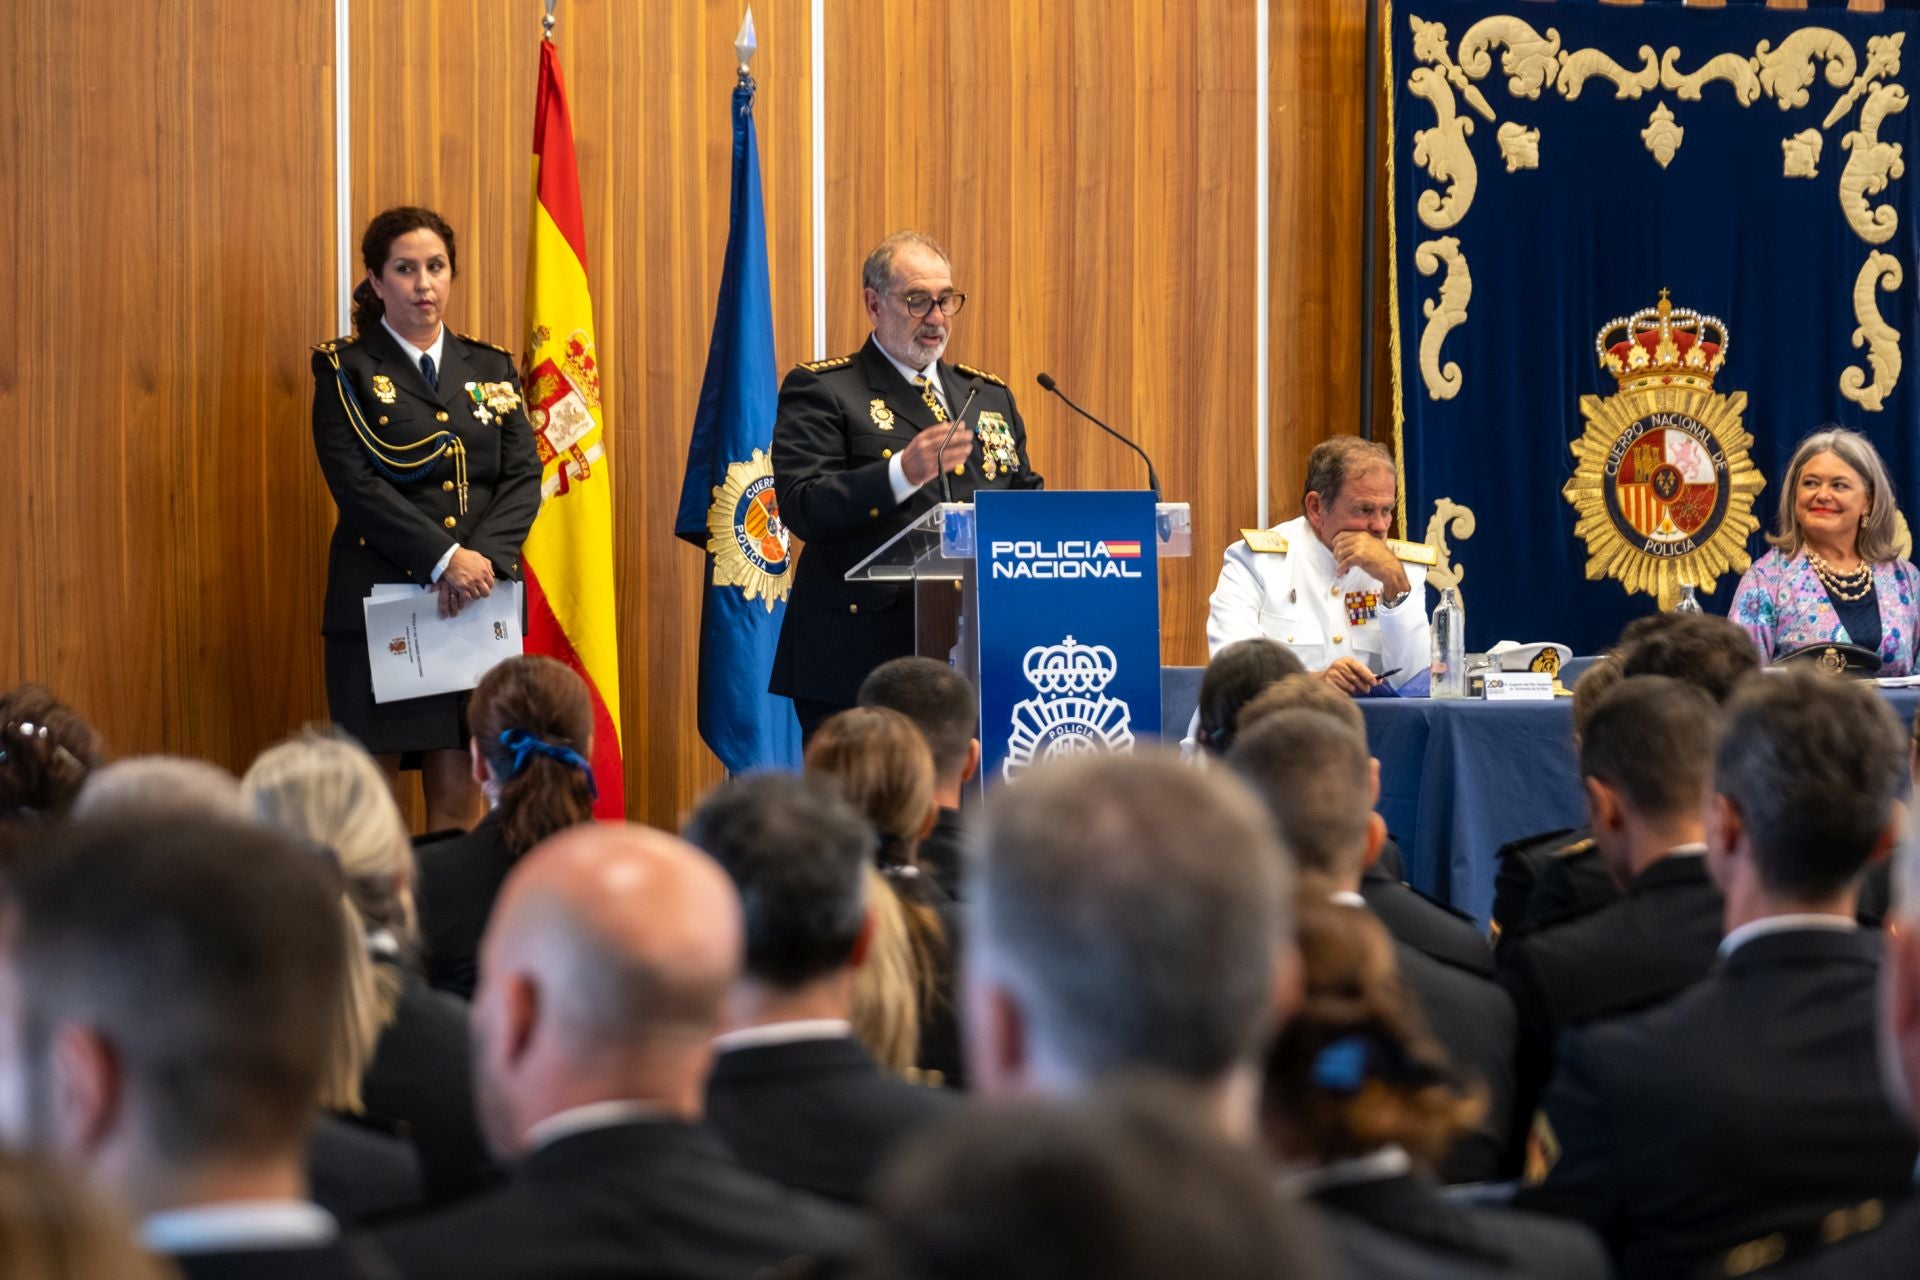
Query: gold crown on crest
(1662,346)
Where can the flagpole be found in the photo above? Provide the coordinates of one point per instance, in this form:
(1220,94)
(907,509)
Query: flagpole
(546,23)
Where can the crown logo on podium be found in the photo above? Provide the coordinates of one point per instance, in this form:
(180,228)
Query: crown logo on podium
(1662,346)
(1070,667)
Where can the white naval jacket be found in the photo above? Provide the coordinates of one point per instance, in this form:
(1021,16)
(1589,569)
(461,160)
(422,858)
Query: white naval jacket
(1293,597)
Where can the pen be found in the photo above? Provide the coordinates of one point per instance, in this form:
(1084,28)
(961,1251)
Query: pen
(1388,675)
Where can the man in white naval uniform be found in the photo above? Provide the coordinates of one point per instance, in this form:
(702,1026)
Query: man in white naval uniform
(1329,584)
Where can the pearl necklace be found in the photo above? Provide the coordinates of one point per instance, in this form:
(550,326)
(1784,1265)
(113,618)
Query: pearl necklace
(1844,586)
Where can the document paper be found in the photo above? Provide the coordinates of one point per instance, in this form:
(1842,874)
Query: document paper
(414,652)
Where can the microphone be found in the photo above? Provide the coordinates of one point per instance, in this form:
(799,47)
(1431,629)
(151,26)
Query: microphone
(1153,480)
(946,478)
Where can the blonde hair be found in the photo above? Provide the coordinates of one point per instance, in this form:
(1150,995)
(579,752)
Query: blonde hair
(328,790)
(53,1227)
(887,985)
(1878,528)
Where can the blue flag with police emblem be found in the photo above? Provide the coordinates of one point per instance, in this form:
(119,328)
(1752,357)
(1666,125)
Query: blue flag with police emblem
(727,503)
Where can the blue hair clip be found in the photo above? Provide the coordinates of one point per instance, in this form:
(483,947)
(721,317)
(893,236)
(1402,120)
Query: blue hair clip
(524,744)
(1341,1066)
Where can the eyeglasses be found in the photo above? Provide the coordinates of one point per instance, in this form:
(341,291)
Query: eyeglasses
(919,304)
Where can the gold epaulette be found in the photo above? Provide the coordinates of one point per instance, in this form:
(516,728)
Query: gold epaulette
(332,345)
(1413,552)
(821,366)
(482,342)
(994,378)
(1273,542)
(1575,849)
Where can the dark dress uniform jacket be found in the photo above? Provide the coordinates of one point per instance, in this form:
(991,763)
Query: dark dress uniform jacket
(347,1259)
(459,879)
(816,1115)
(1425,925)
(652,1198)
(1749,1104)
(1413,1210)
(420,1085)
(830,462)
(396,531)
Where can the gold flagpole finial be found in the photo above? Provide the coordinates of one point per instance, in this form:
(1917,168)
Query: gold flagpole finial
(546,23)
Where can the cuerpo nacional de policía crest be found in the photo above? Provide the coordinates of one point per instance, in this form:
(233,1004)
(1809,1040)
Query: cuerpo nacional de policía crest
(1664,484)
(750,544)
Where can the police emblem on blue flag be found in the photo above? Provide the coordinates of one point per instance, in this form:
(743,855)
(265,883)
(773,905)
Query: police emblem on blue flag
(727,503)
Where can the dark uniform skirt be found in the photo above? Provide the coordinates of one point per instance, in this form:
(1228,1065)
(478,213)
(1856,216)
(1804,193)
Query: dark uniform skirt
(434,723)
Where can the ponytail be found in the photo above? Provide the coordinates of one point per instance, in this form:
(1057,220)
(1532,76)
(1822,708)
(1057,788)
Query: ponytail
(368,310)
(532,720)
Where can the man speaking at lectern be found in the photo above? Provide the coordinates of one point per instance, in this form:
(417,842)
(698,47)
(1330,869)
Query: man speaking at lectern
(1329,584)
(863,446)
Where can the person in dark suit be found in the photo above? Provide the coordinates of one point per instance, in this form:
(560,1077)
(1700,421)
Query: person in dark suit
(1128,1184)
(167,988)
(1084,963)
(427,449)
(1312,770)
(945,708)
(606,967)
(1751,1103)
(792,1093)
(1359,1104)
(1430,927)
(532,740)
(865,444)
(1645,756)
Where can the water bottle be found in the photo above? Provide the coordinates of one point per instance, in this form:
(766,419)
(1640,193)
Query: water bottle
(1449,654)
(1689,601)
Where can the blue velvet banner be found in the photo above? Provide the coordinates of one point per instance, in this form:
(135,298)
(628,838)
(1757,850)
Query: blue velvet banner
(1556,166)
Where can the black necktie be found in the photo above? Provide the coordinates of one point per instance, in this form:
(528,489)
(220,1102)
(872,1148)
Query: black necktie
(427,371)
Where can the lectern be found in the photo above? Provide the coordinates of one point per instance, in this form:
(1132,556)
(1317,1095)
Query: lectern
(1049,602)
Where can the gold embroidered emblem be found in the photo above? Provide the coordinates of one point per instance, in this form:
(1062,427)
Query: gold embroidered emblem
(500,397)
(997,452)
(1664,485)
(383,388)
(882,415)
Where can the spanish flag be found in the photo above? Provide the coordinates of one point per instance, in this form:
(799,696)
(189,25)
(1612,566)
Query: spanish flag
(568,559)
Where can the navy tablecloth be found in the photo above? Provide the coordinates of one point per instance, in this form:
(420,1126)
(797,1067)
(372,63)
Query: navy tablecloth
(1458,779)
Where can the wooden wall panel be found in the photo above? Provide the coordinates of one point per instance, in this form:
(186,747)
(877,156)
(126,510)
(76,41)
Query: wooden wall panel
(169,242)
(443,103)
(1090,167)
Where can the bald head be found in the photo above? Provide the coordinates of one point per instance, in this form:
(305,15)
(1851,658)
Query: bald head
(604,974)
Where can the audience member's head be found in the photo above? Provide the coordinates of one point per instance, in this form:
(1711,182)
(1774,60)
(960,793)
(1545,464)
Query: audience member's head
(1316,779)
(55,1227)
(604,976)
(46,753)
(532,721)
(942,705)
(1129,1184)
(1593,685)
(166,996)
(1805,782)
(1705,650)
(1304,693)
(1355,1068)
(1645,758)
(1235,675)
(328,791)
(798,854)
(1131,913)
(1900,986)
(882,764)
(160,787)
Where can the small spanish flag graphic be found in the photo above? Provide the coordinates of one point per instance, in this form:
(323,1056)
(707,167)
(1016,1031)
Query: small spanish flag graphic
(1123,550)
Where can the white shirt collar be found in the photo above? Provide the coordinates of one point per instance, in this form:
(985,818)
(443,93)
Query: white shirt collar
(594,1115)
(238,1225)
(1783,924)
(1390,1161)
(795,1032)
(931,373)
(1347,898)
(414,353)
(1694,850)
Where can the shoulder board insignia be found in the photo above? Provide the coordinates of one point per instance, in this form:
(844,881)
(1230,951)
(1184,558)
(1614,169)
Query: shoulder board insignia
(482,342)
(970,371)
(332,345)
(1270,541)
(1575,849)
(1414,552)
(821,366)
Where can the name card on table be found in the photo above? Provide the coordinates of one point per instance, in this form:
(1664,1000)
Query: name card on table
(1518,686)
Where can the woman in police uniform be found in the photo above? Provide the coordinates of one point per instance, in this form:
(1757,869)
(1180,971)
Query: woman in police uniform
(431,459)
